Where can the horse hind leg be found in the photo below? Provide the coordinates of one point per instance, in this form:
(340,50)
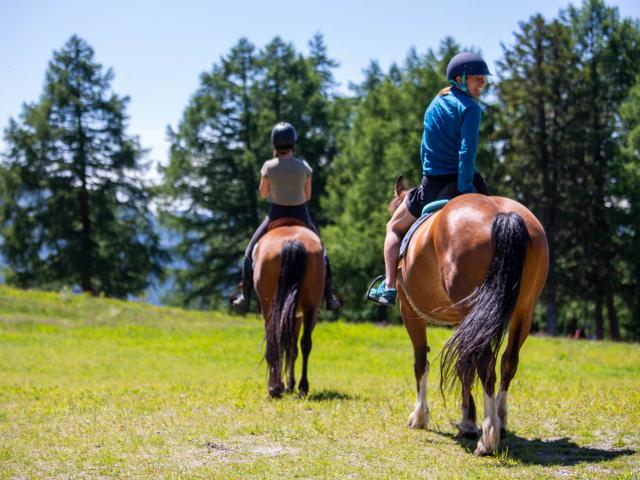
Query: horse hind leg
(305,344)
(275,387)
(417,330)
(491,425)
(518,332)
(291,360)
(467,427)
(273,355)
(291,380)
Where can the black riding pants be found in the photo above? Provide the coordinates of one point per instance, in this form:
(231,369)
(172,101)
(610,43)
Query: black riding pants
(433,188)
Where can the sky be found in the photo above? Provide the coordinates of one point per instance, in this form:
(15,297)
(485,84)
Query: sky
(158,49)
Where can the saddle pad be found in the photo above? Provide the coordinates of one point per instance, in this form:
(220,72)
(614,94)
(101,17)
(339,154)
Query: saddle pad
(407,237)
(427,211)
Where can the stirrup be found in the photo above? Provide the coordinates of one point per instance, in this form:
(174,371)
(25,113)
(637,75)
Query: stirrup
(367,295)
(381,294)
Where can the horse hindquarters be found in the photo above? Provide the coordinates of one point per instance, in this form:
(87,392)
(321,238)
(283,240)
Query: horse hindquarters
(475,344)
(280,328)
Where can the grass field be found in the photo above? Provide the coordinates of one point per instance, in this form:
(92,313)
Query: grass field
(96,388)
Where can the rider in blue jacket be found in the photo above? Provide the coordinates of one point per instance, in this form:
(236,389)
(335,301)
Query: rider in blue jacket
(448,151)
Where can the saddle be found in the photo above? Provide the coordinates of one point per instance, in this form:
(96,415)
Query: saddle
(278,222)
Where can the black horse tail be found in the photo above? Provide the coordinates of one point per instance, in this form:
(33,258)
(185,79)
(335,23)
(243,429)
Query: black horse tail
(477,340)
(282,316)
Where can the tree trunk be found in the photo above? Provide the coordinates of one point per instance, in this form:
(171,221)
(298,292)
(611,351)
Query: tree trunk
(542,141)
(614,325)
(85,242)
(551,325)
(86,246)
(599,320)
(551,295)
(635,316)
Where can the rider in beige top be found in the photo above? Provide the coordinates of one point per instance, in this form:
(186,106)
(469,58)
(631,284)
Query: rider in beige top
(286,184)
(285,175)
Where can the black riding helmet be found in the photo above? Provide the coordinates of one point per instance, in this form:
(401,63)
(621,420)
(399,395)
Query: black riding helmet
(466,63)
(283,136)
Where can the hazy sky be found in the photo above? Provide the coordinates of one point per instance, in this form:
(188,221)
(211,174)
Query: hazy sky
(158,49)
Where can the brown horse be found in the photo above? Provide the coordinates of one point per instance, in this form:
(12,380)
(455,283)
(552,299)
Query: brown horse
(288,277)
(480,262)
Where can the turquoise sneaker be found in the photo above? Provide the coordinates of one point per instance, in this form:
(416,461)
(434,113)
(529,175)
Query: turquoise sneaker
(381,294)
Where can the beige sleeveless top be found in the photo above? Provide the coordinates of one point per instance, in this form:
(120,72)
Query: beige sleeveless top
(287,176)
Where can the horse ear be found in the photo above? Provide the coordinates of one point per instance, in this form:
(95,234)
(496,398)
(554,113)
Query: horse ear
(400,185)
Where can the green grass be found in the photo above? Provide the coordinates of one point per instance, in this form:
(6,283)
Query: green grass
(95,388)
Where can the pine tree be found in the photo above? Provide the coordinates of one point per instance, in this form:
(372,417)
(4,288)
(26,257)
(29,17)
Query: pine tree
(536,81)
(211,168)
(559,93)
(74,209)
(627,197)
(608,58)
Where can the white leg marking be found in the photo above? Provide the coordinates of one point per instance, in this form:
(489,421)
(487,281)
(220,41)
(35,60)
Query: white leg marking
(490,438)
(502,407)
(419,418)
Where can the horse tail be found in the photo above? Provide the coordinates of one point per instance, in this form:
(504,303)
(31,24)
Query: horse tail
(477,340)
(282,317)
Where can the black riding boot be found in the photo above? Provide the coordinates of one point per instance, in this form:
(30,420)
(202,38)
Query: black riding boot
(242,298)
(333,302)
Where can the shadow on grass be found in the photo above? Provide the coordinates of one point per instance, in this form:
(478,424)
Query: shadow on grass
(328,395)
(559,452)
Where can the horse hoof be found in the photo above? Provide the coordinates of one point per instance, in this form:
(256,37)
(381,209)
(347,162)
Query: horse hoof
(303,387)
(417,422)
(482,451)
(303,390)
(467,435)
(276,392)
(467,429)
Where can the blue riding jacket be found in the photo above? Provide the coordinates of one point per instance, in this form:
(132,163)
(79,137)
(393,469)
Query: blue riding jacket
(450,137)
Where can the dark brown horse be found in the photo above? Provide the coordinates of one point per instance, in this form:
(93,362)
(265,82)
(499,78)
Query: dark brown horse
(480,263)
(288,277)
